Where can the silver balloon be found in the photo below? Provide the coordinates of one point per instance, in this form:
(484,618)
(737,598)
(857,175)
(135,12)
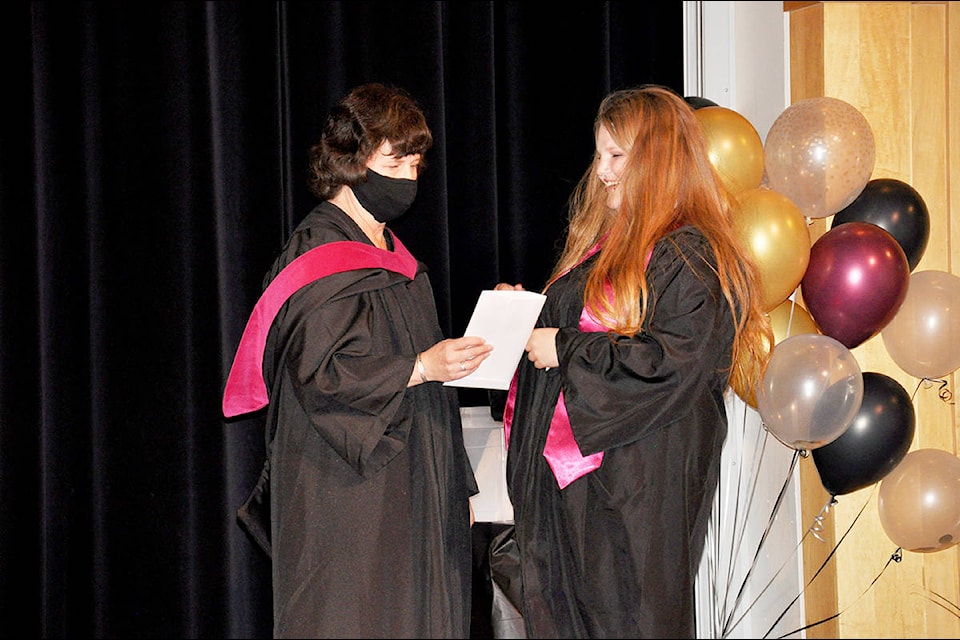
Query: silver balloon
(811,391)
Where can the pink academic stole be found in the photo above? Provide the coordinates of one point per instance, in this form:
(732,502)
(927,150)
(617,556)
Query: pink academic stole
(561,450)
(245,390)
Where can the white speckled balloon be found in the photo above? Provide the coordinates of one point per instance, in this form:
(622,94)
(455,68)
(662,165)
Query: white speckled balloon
(820,153)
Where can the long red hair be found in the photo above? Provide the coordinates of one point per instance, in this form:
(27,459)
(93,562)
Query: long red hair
(668,181)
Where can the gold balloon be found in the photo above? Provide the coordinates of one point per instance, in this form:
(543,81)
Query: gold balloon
(787,319)
(734,147)
(775,233)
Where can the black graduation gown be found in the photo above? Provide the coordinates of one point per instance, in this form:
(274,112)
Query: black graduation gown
(616,553)
(370,480)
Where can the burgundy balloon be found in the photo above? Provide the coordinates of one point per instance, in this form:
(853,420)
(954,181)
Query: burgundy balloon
(855,281)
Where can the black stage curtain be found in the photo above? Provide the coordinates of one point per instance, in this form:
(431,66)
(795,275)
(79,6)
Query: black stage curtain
(152,160)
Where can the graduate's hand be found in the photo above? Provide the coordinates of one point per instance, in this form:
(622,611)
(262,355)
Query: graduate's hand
(503,286)
(453,359)
(542,347)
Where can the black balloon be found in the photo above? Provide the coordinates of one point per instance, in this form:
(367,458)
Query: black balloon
(898,208)
(698,103)
(876,441)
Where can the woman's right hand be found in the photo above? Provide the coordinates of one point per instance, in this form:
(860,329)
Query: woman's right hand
(542,347)
(454,358)
(503,286)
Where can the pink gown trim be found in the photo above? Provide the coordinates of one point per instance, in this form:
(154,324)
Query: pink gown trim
(245,390)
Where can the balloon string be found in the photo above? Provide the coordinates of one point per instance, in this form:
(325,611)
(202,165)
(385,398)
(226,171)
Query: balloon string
(818,519)
(822,566)
(793,305)
(776,508)
(817,527)
(950,607)
(943,392)
(737,537)
(896,557)
(730,625)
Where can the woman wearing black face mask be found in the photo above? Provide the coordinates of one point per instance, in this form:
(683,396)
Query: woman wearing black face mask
(364,500)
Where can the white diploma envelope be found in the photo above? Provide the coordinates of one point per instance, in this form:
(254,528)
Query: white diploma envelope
(505,320)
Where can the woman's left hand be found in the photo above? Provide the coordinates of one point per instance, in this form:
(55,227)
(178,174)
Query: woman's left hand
(542,348)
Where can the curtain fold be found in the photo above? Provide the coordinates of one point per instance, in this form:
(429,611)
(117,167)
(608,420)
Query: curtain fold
(152,162)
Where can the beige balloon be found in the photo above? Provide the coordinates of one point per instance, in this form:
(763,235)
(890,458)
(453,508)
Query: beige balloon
(923,338)
(775,233)
(919,501)
(734,147)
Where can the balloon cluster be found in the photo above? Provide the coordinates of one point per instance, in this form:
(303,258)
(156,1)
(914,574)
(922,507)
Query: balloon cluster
(857,281)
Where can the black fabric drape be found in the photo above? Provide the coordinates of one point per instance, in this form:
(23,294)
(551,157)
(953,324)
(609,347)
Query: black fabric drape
(152,161)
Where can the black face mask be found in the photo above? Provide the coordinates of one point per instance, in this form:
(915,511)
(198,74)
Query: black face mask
(385,198)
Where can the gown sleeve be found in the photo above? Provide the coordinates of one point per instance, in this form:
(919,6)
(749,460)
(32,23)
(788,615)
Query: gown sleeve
(345,373)
(619,389)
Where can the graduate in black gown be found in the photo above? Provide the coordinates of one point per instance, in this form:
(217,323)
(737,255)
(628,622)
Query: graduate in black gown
(367,482)
(616,417)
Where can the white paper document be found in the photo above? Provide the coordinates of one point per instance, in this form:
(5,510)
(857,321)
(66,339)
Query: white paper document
(505,320)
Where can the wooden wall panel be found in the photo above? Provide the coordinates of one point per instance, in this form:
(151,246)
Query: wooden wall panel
(807,70)
(898,63)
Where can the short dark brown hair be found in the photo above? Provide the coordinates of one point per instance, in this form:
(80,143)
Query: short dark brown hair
(362,121)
